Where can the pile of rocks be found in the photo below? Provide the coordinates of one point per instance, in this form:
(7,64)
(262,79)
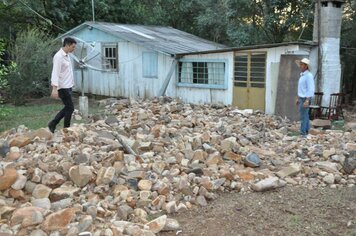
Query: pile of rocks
(124,172)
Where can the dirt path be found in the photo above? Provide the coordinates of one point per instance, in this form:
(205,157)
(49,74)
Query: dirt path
(286,211)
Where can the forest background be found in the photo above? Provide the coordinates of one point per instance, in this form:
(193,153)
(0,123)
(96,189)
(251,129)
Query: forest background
(28,29)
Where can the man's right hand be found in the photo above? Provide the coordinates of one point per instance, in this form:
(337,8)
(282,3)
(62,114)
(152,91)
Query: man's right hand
(54,93)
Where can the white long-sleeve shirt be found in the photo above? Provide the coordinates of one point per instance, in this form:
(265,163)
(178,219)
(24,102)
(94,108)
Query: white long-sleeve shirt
(62,72)
(306,85)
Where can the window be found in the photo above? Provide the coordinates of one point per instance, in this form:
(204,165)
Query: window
(337,4)
(250,70)
(205,74)
(150,64)
(110,57)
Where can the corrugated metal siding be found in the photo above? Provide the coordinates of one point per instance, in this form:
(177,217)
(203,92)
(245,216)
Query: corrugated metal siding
(150,64)
(128,82)
(95,81)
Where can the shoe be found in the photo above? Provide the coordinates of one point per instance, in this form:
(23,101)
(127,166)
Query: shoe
(51,127)
(306,136)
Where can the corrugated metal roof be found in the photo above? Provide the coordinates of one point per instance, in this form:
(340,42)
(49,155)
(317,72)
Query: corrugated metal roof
(159,38)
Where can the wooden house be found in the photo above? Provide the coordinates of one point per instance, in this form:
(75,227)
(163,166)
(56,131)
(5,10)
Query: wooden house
(149,61)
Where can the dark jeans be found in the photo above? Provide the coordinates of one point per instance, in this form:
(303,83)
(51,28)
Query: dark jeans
(66,96)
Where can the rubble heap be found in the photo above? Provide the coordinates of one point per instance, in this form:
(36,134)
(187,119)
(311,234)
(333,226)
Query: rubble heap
(125,171)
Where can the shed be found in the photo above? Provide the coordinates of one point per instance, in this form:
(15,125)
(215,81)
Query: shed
(150,61)
(262,77)
(141,57)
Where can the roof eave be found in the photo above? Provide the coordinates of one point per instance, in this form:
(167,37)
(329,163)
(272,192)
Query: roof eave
(310,43)
(70,32)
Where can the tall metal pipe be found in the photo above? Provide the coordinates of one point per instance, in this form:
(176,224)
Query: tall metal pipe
(93,11)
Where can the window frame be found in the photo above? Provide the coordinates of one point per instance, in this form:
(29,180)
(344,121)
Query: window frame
(198,85)
(115,46)
(145,53)
(250,70)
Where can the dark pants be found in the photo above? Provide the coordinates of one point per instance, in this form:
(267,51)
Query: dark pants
(66,96)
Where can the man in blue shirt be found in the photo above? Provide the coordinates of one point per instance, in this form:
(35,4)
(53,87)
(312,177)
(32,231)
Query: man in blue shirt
(305,93)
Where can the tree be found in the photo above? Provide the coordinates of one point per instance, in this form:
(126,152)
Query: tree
(245,22)
(348,47)
(4,70)
(32,53)
(231,22)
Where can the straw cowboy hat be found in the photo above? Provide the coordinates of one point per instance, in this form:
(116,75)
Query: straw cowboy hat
(304,61)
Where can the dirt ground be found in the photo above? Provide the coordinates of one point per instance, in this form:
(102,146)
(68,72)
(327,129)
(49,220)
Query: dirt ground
(285,211)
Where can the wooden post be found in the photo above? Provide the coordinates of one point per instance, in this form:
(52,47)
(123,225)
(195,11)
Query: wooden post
(127,147)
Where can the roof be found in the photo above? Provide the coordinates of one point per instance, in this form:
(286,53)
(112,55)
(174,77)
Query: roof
(159,38)
(252,47)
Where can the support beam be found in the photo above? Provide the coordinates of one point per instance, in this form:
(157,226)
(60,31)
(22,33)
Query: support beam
(163,89)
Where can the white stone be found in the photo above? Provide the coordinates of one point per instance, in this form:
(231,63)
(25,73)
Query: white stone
(329,179)
(20,182)
(268,184)
(44,203)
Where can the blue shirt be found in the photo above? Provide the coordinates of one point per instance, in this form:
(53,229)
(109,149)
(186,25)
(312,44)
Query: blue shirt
(306,85)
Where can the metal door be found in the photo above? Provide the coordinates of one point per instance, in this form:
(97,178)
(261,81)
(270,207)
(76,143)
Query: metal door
(249,80)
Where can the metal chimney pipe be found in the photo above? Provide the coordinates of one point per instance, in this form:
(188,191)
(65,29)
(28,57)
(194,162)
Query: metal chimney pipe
(93,11)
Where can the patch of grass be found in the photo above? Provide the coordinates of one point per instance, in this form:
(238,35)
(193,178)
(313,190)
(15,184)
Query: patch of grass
(293,133)
(338,125)
(36,115)
(32,116)
(295,221)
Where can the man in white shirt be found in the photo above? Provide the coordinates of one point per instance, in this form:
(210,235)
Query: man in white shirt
(306,90)
(62,81)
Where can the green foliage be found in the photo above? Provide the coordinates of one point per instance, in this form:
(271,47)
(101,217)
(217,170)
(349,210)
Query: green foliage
(4,112)
(231,22)
(246,22)
(44,14)
(3,82)
(32,53)
(348,47)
